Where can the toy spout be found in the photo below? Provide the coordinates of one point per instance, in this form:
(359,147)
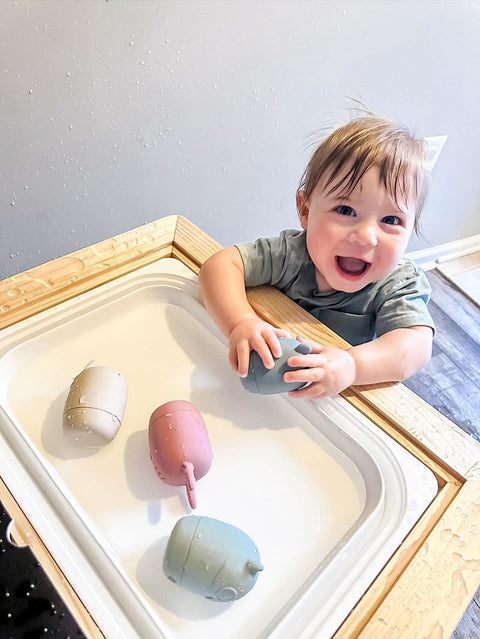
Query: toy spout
(254,566)
(191,482)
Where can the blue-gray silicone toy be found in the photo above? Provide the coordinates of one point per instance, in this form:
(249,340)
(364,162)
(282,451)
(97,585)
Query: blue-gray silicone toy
(268,381)
(212,558)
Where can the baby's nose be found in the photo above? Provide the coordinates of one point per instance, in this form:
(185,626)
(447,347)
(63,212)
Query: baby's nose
(364,234)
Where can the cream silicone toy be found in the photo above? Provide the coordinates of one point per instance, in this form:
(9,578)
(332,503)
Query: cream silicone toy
(95,406)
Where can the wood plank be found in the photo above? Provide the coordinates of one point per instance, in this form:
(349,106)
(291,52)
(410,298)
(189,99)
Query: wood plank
(44,286)
(453,548)
(409,415)
(469,625)
(469,283)
(443,385)
(453,302)
(457,344)
(193,242)
(464,272)
(384,583)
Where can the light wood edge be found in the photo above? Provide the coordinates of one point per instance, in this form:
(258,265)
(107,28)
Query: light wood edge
(382,587)
(193,244)
(425,603)
(27,536)
(44,286)
(390,404)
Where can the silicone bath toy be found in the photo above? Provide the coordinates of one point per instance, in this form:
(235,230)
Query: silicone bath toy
(179,445)
(212,558)
(95,406)
(268,381)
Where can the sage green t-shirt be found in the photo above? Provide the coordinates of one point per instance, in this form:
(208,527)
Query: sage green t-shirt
(399,300)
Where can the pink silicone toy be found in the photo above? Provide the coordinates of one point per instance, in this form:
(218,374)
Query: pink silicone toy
(179,445)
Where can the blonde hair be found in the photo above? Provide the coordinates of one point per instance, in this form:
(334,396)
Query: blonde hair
(371,141)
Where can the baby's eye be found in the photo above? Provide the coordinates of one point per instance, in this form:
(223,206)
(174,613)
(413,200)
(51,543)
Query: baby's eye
(344,209)
(394,220)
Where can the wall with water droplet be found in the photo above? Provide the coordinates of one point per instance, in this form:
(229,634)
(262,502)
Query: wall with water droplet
(118,113)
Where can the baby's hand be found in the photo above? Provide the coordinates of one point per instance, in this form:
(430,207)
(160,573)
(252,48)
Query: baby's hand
(328,370)
(254,334)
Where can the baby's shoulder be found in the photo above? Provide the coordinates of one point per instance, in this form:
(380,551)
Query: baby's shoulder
(406,269)
(405,279)
(291,243)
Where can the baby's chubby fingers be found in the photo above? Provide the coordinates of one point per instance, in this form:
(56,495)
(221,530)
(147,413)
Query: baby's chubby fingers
(311,361)
(271,337)
(241,357)
(262,347)
(253,334)
(305,375)
(274,348)
(268,347)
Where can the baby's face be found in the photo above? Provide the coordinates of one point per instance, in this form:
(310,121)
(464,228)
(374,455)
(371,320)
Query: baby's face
(356,239)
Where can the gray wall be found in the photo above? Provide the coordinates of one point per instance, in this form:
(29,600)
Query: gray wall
(118,113)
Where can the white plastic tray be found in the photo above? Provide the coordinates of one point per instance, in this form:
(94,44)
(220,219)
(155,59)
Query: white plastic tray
(324,494)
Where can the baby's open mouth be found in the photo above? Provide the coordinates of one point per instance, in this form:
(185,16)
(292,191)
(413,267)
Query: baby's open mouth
(352,266)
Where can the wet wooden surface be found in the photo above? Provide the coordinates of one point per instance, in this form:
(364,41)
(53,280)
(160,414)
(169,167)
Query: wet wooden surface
(451,383)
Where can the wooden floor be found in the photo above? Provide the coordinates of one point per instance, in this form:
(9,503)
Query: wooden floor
(451,383)
(464,272)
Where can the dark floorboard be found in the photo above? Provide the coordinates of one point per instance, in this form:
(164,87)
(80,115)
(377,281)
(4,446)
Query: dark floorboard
(451,383)
(462,311)
(30,607)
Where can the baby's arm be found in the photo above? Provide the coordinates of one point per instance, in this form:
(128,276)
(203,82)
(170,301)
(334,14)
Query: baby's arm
(392,357)
(222,282)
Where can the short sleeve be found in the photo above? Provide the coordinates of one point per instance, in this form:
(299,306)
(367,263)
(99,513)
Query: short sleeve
(274,260)
(403,303)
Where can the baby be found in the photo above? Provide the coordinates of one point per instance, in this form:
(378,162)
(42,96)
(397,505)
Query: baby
(359,200)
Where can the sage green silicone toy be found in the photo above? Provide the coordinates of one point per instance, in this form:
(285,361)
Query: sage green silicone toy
(212,558)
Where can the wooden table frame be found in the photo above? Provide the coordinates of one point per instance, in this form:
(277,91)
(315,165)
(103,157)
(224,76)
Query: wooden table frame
(429,581)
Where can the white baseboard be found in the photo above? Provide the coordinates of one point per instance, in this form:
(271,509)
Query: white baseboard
(430,257)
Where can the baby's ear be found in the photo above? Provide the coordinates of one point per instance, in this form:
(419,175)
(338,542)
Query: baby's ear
(302,208)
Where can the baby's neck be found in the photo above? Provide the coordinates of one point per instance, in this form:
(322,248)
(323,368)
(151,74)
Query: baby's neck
(323,285)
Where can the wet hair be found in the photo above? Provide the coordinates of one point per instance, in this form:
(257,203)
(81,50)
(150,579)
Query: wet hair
(371,141)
